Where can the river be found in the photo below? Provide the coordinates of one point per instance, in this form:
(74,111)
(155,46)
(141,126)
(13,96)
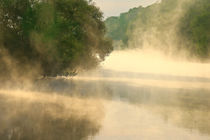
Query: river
(130,97)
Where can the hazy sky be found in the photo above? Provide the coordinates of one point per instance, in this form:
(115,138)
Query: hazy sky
(115,7)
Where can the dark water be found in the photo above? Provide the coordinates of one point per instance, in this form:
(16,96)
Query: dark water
(108,107)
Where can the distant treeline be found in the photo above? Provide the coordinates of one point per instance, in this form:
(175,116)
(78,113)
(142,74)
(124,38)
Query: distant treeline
(50,36)
(183,24)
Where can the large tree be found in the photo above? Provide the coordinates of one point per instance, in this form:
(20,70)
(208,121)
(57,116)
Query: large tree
(56,35)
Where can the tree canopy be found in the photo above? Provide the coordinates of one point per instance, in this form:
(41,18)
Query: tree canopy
(169,25)
(55,35)
(195,27)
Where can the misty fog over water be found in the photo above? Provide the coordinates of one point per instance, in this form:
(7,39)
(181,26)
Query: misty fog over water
(70,72)
(133,95)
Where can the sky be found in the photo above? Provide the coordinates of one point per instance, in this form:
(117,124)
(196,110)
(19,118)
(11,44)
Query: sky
(115,7)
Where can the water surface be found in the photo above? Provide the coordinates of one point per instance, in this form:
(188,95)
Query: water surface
(113,103)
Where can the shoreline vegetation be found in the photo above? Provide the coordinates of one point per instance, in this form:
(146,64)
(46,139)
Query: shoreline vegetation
(49,38)
(171,26)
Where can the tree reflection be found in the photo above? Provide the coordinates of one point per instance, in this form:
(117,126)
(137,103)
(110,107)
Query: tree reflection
(29,119)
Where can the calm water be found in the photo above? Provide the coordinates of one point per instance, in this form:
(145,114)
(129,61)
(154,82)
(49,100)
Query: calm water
(109,105)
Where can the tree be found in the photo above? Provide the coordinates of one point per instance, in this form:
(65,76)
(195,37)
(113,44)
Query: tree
(195,27)
(57,35)
(178,25)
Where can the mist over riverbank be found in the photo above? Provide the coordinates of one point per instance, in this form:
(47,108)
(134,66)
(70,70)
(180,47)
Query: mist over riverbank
(138,99)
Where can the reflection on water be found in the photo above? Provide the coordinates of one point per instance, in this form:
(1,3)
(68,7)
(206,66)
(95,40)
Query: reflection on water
(27,116)
(139,111)
(128,122)
(131,111)
(112,105)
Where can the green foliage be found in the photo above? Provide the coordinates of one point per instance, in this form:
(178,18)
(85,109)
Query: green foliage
(141,19)
(117,27)
(195,27)
(175,24)
(58,35)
